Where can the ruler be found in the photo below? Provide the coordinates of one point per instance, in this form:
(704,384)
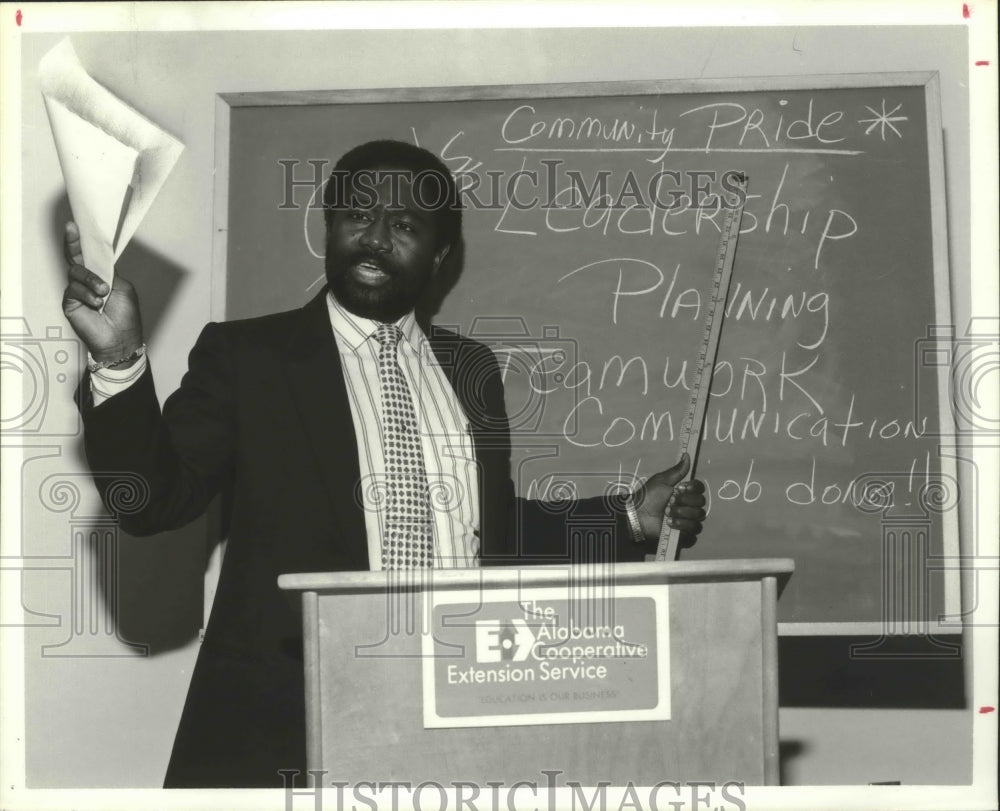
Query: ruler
(694,418)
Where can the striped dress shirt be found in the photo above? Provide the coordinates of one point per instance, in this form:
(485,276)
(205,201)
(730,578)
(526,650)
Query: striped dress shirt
(452,474)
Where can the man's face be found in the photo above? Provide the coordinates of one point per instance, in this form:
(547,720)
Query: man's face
(381,247)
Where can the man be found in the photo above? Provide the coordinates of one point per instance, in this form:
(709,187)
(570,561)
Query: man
(328,428)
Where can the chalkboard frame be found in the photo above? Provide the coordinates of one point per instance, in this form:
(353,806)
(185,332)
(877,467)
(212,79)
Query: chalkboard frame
(948,623)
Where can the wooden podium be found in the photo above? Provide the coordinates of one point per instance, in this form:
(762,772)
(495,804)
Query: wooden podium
(366,676)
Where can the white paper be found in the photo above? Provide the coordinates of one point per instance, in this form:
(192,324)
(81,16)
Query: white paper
(113,159)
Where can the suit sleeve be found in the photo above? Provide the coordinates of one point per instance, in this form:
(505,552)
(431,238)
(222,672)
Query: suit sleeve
(590,530)
(580,531)
(174,461)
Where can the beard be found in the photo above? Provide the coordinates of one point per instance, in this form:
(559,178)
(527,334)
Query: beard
(387,301)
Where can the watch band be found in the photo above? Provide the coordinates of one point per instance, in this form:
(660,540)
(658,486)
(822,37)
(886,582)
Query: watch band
(97,365)
(633,520)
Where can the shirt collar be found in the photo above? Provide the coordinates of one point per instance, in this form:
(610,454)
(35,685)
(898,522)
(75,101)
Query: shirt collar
(352,330)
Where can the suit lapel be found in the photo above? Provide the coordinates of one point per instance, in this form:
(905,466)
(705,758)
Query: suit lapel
(446,347)
(490,446)
(316,383)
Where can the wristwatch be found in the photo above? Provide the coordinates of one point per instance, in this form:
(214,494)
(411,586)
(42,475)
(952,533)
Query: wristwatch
(633,520)
(97,365)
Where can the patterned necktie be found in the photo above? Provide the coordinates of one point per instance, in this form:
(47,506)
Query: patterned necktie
(408,540)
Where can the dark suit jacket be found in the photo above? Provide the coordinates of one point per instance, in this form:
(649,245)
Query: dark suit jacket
(262,415)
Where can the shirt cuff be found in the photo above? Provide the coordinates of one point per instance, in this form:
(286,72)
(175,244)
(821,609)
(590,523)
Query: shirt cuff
(105,383)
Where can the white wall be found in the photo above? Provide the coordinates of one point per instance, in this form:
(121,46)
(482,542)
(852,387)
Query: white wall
(109,721)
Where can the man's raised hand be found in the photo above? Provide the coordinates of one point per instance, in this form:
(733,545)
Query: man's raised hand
(112,333)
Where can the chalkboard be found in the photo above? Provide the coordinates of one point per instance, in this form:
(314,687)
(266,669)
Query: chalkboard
(592,222)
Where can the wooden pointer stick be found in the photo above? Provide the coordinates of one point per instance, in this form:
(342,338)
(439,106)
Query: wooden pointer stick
(694,419)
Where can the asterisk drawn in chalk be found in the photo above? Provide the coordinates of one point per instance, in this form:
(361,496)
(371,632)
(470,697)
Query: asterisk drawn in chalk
(883,119)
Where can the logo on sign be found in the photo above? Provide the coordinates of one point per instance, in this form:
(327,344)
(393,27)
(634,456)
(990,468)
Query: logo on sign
(503,640)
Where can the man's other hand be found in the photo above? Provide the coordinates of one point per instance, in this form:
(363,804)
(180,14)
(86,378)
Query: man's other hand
(109,334)
(667,494)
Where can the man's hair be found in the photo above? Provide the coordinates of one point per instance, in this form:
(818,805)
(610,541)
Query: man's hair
(425,167)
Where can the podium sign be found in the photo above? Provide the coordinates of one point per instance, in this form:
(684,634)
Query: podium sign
(499,659)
